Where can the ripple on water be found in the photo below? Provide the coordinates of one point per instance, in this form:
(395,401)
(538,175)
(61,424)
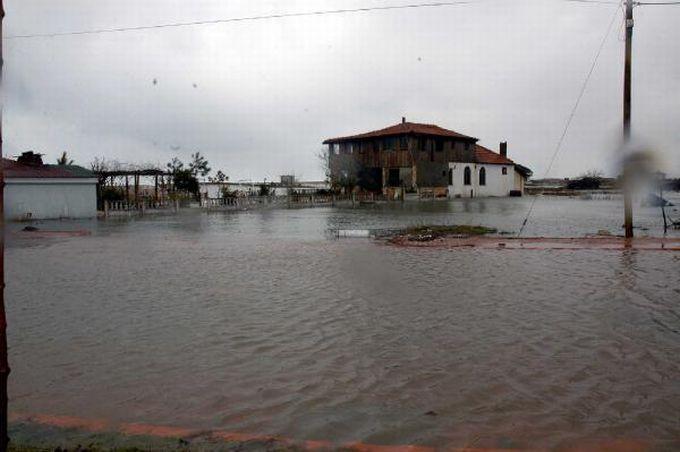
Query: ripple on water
(221,323)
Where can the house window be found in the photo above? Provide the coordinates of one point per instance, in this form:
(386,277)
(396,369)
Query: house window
(450,176)
(440,145)
(389,144)
(467,176)
(334,148)
(482,176)
(403,143)
(467,146)
(505,170)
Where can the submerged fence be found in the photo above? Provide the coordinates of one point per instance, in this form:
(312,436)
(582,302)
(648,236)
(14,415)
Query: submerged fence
(291,201)
(139,207)
(299,200)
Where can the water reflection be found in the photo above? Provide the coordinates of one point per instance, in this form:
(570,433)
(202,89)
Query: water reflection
(255,322)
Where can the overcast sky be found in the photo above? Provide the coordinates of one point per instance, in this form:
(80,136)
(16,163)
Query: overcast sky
(259,97)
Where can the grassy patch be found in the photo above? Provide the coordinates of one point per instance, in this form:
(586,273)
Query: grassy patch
(460,229)
(431,232)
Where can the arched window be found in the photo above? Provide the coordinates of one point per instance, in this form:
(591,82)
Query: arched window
(482,176)
(450,176)
(467,176)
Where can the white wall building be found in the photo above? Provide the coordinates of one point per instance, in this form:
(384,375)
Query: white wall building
(491,174)
(214,189)
(35,191)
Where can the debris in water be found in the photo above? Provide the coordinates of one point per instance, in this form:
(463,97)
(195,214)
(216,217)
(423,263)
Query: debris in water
(654,200)
(30,229)
(354,233)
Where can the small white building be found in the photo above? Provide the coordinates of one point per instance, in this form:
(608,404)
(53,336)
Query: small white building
(216,189)
(35,191)
(490,174)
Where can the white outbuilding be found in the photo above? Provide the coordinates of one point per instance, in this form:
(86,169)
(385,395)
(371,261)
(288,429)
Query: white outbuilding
(488,174)
(36,191)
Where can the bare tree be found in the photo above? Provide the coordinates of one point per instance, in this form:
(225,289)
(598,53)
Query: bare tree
(324,158)
(340,170)
(593,173)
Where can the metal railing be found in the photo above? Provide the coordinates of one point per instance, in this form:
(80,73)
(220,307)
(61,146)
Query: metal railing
(141,206)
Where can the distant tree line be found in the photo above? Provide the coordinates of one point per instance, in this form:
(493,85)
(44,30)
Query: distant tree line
(590,180)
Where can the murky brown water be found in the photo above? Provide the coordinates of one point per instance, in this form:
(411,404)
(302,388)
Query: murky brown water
(257,322)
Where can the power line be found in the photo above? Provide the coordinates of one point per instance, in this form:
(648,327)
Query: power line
(656,3)
(238,19)
(602,2)
(263,17)
(571,115)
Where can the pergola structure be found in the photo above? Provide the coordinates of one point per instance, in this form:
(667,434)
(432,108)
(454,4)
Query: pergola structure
(109,178)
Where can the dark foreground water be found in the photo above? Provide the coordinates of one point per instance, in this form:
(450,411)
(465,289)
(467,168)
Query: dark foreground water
(259,322)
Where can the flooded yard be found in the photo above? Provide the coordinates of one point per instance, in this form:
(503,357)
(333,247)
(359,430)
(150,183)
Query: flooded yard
(261,322)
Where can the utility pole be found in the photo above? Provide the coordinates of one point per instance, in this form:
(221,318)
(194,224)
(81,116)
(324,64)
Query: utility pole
(627,202)
(4,365)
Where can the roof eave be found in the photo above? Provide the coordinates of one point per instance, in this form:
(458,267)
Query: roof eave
(360,138)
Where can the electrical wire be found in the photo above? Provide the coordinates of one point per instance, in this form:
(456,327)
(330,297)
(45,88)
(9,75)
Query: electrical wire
(572,114)
(264,17)
(239,19)
(602,2)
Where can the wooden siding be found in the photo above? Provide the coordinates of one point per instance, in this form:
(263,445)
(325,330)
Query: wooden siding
(429,155)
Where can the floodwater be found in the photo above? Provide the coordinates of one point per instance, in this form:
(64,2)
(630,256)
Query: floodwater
(260,322)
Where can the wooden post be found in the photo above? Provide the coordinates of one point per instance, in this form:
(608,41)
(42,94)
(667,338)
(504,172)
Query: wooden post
(155,188)
(663,210)
(136,179)
(4,364)
(627,84)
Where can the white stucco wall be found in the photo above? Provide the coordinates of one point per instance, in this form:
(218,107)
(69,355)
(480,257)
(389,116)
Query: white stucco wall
(497,183)
(50,198)
(519,182)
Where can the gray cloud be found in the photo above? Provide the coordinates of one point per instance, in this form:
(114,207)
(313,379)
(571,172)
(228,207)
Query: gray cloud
(267,93)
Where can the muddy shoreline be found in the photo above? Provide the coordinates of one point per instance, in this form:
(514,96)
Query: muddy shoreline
(457,241)
(67,433)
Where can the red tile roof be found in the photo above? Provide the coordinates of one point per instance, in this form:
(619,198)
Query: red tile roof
(484,155)
(16,170)
(404,128)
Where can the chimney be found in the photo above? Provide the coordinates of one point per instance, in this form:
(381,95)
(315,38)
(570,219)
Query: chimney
(504,149)
(403,119)
(30,158)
